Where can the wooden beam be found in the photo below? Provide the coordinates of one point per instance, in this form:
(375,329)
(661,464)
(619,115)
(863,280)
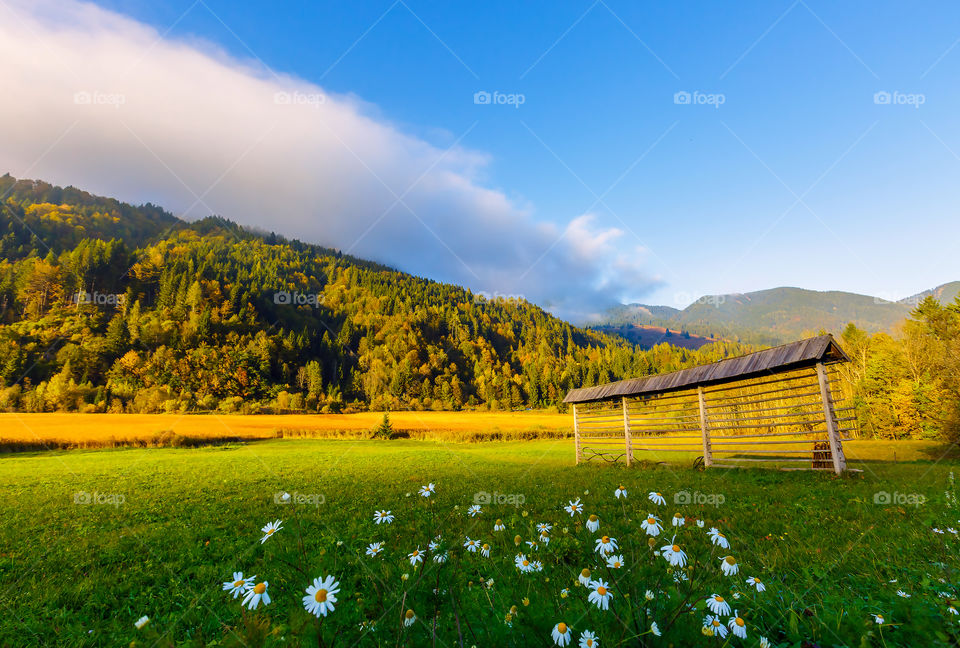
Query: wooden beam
(836,447)
(576,435)
(626,433)
(704,430)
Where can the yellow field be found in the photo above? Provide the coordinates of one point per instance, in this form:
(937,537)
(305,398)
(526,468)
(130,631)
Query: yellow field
(91,430)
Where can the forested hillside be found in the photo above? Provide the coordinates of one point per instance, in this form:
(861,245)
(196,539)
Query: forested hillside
(109,307)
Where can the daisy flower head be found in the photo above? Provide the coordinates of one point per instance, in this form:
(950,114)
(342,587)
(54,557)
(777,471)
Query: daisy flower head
(485,550)
(764,642)
(878,619)
(718,538)
(142,621)
(434,545)
(615,562)
(655,629)
(321,596)
(657,498)
(606,545)
(534,545)
(700,524)
(678,520)
(383,517)
(561,634)
(648,595)
(471,545)
(374,549)
(717,605)
(416,557)
(902,594)
(593,523)
(543,528)
(428,490)
(440,558)
(409,618)
(239,585)
(600,594)
(269,529)
(651,525)
(673,554)
(474,510)
(584,577)
(565,592)
(498,525)
(588,640)
(737,625)
(523,563)
(757,583)
(952,610)
(537,566)
(256,595)
(729,566)
(714,624)
(574,507)
(620,492)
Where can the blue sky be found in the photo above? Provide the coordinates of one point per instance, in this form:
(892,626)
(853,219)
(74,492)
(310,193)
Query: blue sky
(799,178)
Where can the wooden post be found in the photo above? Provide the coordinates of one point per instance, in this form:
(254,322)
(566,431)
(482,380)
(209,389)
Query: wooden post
(576,433)
(836,447)
(704,430)
(626,433)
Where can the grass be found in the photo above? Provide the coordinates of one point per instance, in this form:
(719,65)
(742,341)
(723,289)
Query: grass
(68,430)
(92,540)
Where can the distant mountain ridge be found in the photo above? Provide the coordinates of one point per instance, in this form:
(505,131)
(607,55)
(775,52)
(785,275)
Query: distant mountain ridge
(775,315)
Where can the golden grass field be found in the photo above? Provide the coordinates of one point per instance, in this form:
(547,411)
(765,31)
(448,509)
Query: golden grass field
(21,431)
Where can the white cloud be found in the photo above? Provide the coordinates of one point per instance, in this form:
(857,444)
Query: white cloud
(102,102)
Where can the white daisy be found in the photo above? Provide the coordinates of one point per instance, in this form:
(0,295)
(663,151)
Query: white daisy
(383,517)
(440,558)
(523,563)
(678,520)
(471,545)
(729,566)
(498,525)
(416,557)
(764,642)
(655,629)
(561,634)
(717,605)
(409,618)
(902,594)
(321,596)
(239,585)
(756,582)
(374,549)
(584,577)
(952,610)
(700,523)
(142,621)
(673,554)
(427,491)
(657,498)
(651,525)
(434,545)
(474,510)
(588,640)
(648,595)
(737,625)
(534,545)
(574,507)
(620,492)
(256,595)
(713,624)
(537,566)
(718,538)
(485,550)
(606,545)
(593,523)
(615,562)
(878,619)
(269,529)
(600,594)
(543,528)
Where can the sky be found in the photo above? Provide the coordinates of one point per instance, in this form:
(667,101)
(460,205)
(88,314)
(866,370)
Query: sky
(578,154)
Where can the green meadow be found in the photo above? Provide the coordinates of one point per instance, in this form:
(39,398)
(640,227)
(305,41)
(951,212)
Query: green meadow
(94,540)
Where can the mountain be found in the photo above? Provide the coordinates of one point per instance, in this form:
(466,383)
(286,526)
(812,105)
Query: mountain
(775,315)
(106,306)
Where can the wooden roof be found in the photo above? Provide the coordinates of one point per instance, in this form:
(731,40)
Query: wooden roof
(788,357)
